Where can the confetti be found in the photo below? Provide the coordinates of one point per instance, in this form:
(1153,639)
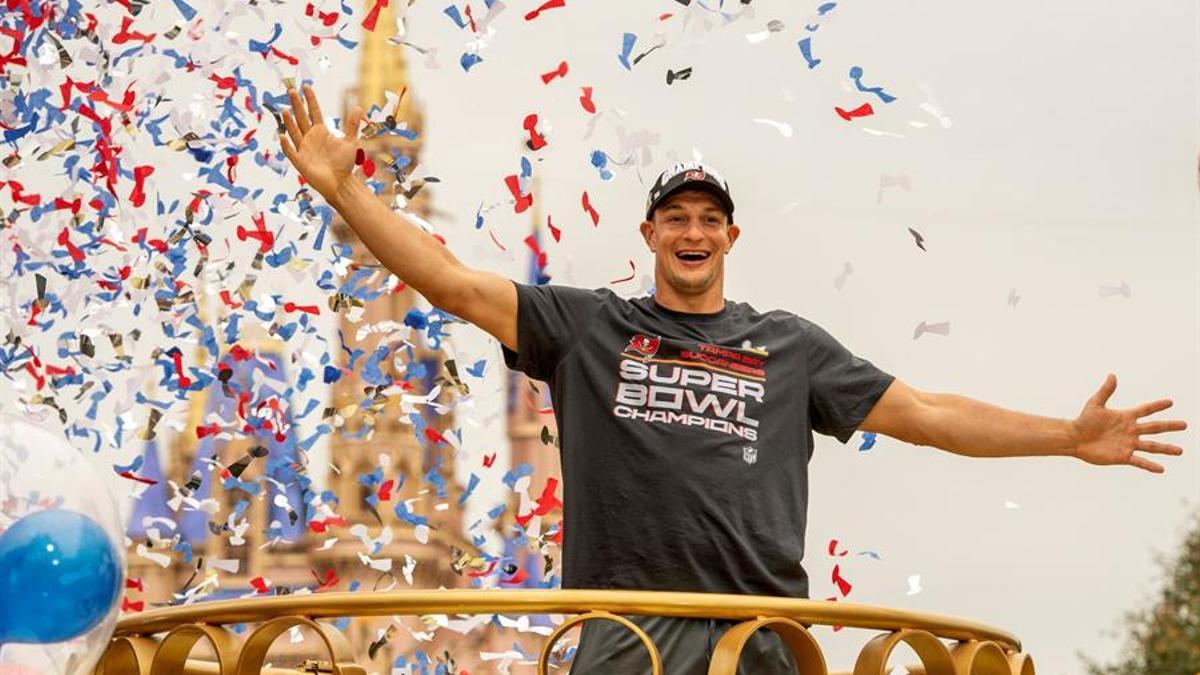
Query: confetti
(863,110)
(806,51)
(856,74)
(783,128)
(585,100)
(935,328)
(914,584)
(560,71)
(917,238)
(587,208)
(549,4)
(628,40)
(681,74)
(1122,290)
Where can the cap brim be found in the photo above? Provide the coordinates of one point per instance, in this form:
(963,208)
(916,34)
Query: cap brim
(719,194)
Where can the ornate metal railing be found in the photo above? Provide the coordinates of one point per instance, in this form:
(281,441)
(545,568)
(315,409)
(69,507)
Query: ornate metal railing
(161,641)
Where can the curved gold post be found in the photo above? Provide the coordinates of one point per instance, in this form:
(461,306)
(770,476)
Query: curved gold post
(1022,664)
(177,645)
(934,655)
(548,646)
(805,651)
(979,658)
(254,650)
(127,656)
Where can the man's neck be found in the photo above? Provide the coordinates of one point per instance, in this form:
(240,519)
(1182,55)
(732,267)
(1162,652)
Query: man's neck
(709,303)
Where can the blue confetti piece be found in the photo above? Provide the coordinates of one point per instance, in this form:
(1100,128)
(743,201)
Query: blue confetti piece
(471,484)
(600,161)
(468,59)
(806,52)
(455,16)
(868,441)
(185,9)
(496,511)
(627,42)
(476,369)
(856,75)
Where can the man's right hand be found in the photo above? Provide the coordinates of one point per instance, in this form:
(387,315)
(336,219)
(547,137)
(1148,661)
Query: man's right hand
(326,161)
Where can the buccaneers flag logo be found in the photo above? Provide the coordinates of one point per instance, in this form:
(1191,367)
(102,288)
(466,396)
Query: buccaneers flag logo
(643,345)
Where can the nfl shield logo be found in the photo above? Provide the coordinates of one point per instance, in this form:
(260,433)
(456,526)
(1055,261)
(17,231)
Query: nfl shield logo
(749,454)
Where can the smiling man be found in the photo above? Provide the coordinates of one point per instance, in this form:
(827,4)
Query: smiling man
(686,419)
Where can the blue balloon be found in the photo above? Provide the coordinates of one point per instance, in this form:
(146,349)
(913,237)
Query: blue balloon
(59,576)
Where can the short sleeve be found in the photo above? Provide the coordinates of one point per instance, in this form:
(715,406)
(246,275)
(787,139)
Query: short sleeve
(842,387)
(550,321)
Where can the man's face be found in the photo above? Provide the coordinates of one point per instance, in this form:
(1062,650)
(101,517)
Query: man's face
(690,235)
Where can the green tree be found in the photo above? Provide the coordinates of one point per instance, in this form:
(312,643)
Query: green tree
(1164,638)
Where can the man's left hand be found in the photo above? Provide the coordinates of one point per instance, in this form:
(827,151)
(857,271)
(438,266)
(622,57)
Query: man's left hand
(1109,436)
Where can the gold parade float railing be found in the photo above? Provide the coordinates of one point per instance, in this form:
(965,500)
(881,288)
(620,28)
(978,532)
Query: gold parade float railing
(160,641)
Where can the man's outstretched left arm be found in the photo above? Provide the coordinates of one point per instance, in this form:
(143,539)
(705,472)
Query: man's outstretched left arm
(965,426)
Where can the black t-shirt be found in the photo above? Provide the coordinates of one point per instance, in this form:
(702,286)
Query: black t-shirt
(685,438)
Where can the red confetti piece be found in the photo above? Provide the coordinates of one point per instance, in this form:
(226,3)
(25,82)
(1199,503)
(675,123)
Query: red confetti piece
(266,239)
(125,35)
(522,201)
(546,503)
(209,430)
(385,490)
(833,546)
(536,140)
(863,110)
(585,100)
(632,273)
(128,605)
(592,213)
(138,196)
(471,20)
(488,460)
(18,194)
(331,580)
(327,18)
(134,583)
(320,526)
(843,586)
(560,71)
(554,231)
(518,577)
(260,584)
(307,309)
(64,239)
(434,436)
(549,4)
(130,475)
(184,380)
(373,15)
(539,254)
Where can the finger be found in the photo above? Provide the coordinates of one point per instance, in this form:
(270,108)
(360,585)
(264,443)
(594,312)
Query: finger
(293,130)
(299,111)
(351,122)
(1153,407)
(1160,426)
(1160,448)
(1146,464)
(288,150)
(314,108)
(1106,390)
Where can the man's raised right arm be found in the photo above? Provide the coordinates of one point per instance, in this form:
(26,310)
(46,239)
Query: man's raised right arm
(327,163)
(483,298)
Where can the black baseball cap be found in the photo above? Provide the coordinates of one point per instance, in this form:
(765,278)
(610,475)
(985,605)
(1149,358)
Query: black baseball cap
(691,176)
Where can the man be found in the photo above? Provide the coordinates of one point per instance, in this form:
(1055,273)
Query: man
(685,419)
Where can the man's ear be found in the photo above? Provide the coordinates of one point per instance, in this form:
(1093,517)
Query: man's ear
(647,229)
(733,233)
